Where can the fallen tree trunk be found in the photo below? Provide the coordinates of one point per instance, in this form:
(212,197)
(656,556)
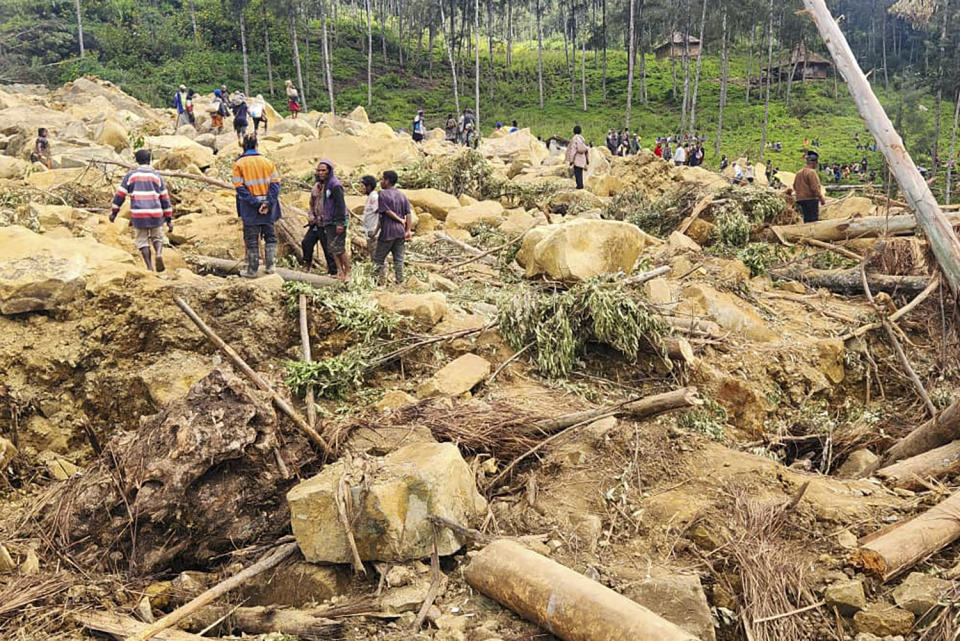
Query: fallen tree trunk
(848,281)
(225,266)
(939,430)
(887,553)
(216,182)
(272,560)
(119,626)
(303,624)
(937,227)
(847,228)
(566,603)
(637,410)
(910,473)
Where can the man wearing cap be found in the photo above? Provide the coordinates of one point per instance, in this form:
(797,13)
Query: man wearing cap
(807,188)
(180,102)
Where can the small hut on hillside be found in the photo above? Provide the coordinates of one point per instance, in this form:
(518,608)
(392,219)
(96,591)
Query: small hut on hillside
(673,47)
(804,64)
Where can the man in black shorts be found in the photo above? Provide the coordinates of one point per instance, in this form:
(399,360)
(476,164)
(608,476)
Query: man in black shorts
(328,216)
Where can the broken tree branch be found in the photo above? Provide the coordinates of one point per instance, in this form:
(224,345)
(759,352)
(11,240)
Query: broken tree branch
(122,627)
(887,553)
(171,174)
(937,431)
(843,251)
(568,604)
(307,357)
(434,588)
(936,226)
(303,624)
(225,266)
(272,560)
(258,380)
(898,348)
(910,473)
(847,281)
(900,313)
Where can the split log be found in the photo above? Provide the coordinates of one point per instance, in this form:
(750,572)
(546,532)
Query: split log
(637,410)
(566,603)
(887,553)
(847,281)
(225,266)
(304,624)
(119,626)
(910,473)
(940,430)
(272,560)
(258,380)
(848,228)
(937,226)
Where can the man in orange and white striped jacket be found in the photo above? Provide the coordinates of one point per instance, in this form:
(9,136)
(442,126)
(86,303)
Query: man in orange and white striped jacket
(258,205)
(149,207)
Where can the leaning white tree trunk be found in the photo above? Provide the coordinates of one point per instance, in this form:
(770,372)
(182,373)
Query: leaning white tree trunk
(243,49)
(80,28)
(370,53)
(943,240)
(453,64)
(630,64)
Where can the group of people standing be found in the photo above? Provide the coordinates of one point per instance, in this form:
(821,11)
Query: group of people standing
(623,143)
(688,152)
(461,130)
(223,105)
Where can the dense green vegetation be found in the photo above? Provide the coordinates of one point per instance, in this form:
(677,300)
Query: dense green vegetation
(148,48)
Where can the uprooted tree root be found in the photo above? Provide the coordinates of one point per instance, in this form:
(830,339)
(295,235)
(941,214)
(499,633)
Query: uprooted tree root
(161,495)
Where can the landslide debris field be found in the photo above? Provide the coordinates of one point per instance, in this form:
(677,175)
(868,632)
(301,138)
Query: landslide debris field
(663,384)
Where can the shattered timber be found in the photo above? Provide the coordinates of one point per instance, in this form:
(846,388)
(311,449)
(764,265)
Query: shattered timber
(659,408)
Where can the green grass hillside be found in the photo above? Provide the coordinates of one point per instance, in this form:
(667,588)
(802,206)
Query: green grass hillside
(812,112)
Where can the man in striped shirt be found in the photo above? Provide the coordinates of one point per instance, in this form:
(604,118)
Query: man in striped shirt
(258,205)
(149,208)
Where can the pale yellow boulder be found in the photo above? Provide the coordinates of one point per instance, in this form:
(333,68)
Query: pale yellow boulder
(729,312)
(517,223)
(488,212)
(295,127)
(359,114)
(520,145)
(13,167)
(456,377)
(433,201)
(428,309)
(582,248)
(112,134)
(849,207)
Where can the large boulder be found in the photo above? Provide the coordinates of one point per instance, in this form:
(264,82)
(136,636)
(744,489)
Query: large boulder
(433,201)
(359,114)
(517,223)
(41,273)
(518,146)
(920,593)
(582,248)
(730,312)
(487,212)
(679,599)
(178,152)
(392,498)
(850,207)
(574,201)
(350,153)
(295,126)
(13,167)
(85,90)
(457,377)
(428,309)
(112,134)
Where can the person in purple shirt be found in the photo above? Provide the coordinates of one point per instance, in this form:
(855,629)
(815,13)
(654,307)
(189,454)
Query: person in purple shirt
(395,220)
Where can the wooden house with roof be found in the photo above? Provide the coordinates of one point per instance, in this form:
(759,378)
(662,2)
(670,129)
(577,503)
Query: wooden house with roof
(673,47)
(803,64)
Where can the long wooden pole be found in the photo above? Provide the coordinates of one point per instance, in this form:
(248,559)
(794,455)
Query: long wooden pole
(258,380)
(227,266)
(305,342)
(268,562)
(943,240)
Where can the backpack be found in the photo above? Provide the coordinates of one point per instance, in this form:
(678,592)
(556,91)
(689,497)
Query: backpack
(214,106)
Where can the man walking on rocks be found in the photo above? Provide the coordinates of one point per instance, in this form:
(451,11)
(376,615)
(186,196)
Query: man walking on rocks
(806,186)
(149,208)
(258,205)
(395,223)
(577,156)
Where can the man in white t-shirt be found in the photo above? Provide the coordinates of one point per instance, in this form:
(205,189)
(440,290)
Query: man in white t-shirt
(371,217)
(680,158)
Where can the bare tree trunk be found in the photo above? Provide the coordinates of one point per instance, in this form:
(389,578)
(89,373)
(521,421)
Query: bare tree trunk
(953,149)
(943,240)
(296,58)
(696,81)
(509,34)
(326,54)
(306,55)
(400,33)
(243,49)
(686,67)
(370,53)
(430,36)
(193,21)
(490,42)
(753,38)
(79,27)
(383,30)
(476,88)
(643,57)
(603,36)
(943,53)
(766,105)
(540,52)
(631,51)
(883,40)
(724,70)
(453,65)
(572,23)
(266,42)
(583,71)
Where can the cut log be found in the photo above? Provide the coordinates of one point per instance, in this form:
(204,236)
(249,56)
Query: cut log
(847,281)
(848,228)
(937,227)
(887,553)
(272,560)
(225,266)
(939,430)
(303,624)
(119,626)
(307,358)
(566,603)
(910,473)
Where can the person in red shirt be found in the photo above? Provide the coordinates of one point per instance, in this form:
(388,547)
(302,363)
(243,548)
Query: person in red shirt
(658,150)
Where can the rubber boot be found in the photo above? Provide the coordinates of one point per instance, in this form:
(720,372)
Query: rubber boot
(158,253)
(253,264)
(271,258)
(145,252)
